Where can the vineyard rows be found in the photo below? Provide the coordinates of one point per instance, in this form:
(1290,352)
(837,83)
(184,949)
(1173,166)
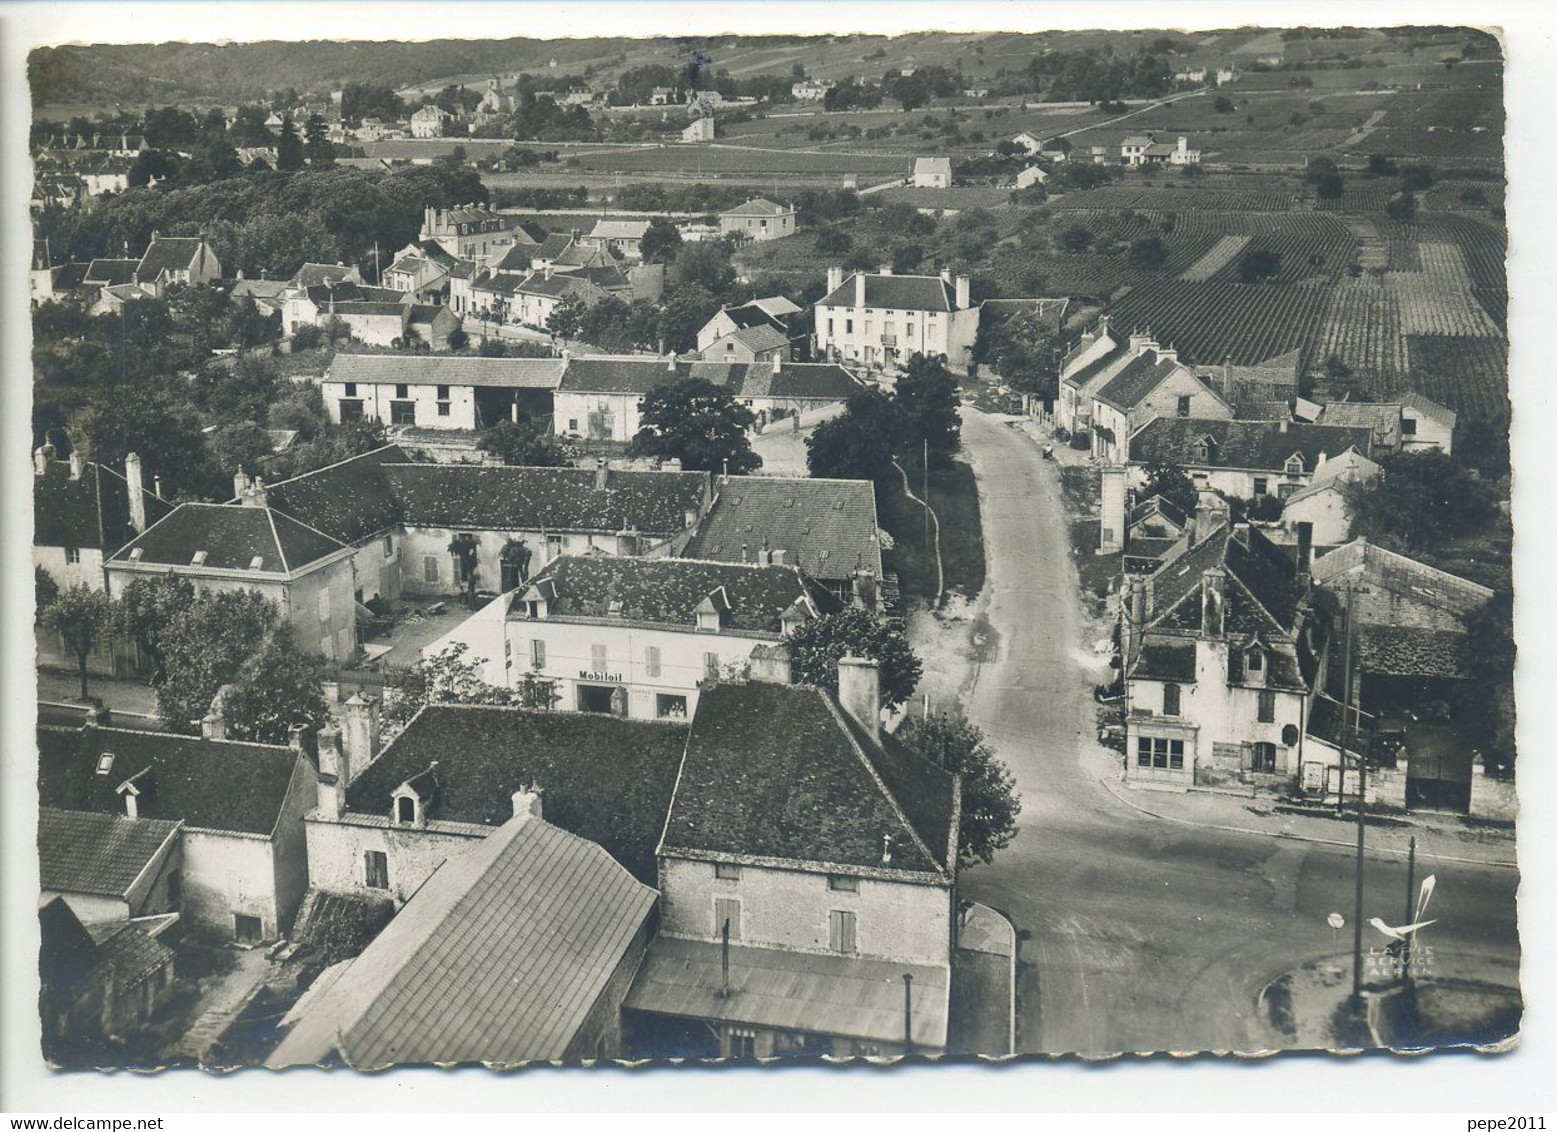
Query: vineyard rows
(1171,197)
(1222,253)
(1217,322)
(1428,305)
(1361,327)
(1308,244)
(1469,375)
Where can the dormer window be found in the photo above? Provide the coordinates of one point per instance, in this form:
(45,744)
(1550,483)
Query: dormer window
(1295,465)
(198,559)
(257,562)
(105,762)
(1255,660)
(405,810)
(136,554)
(708,622)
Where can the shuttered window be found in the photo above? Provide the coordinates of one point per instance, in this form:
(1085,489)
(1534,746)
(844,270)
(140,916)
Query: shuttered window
(1267,707)
(840,932)
(1170,699)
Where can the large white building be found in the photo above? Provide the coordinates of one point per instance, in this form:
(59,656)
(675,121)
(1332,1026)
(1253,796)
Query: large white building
(637,637)
(880,320)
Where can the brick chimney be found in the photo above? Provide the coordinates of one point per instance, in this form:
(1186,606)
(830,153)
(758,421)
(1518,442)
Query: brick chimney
(834,279)
(1213,602)
(859,692)
(137,492)
(40,460)
(602,474)
(964,299)
(528,803)
(332,776)
(240,484)
(360,740)
(254,494)
(1305,556)
(859,288)
(778,364)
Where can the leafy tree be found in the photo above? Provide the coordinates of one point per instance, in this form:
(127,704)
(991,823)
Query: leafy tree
(289,148)
(522,442)
(370,100)
(1379,165)
(307,337)
(466,549)
(906,257)
(1259,265)
(1223,104)
(705,264)
(241,446)
(817,646)
(661,241)
(446,677)
(1170,482)
(686,310)
(858,444)
(926,394)
(82,616)
(1330,187)
(990,803)
(44,592)
(1076,239)
(699,423)
(203,646)
(566,317)
(1401,206)
(458,339)
(276,688)
(1415,178)
(146,607)
(156,421)
(1148,252)
(1489,703)
(1419,501)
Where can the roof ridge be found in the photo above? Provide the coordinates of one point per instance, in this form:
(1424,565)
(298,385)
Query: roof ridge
(881,785)
(275,536)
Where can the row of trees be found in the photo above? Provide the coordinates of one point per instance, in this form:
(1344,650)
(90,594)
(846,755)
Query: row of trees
(199,644)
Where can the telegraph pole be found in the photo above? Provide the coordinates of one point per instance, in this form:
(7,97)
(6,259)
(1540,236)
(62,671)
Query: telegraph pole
(1405,944)
(1362,786)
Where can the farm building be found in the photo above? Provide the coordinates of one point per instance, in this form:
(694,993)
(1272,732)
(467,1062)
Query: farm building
(1145,149)
(932,173)
(1243,459)
(1031,142)
(1032,175)
(700,131)
(1323,504)
(759,219)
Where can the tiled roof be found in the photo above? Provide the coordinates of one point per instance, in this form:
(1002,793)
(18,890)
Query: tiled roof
(844,995)
(206,784)
(1252,445)
(425,314)
(1158,506)
(1050,312)
(1263,411)
(1332,475)
(775,771)
(826,527)
(127,956)
(1382,420)
(348,501)
(761,206)
(1100,368)
(1267,574)
(1178,579)
(1165,657)
(114,272)
(68,276)
(500,958)
(369,309)
(99,854)
(1127,388)
(395,369)
(755,338)
(932,165)
(555,286)
(618,229)
(167,253)
(774,306)
(1405,650)
(603,778)
(895,292)
(337,926)
(667,591)
(1405,578)
(313,274)
(799,380)
(552,246)
(1432,410)
(232,539)
(555,499)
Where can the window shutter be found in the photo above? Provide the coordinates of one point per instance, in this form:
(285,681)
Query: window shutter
(726,909)
(840,932)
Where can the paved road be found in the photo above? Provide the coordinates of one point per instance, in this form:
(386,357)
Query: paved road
(1146,934)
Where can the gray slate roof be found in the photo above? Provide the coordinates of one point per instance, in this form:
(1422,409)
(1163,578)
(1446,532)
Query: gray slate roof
(1251,445)
(826,527)
(396,369)
(232,538)
(896,292)
(80,851)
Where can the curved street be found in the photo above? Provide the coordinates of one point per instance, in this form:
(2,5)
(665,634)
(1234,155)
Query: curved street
(1141,933)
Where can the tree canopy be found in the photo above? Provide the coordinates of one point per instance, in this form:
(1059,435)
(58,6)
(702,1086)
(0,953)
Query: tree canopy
(1419,501)
(699,423)
(990,803)
(816,647)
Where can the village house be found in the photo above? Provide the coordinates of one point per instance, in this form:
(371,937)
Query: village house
(402,519)
(756,331)
(420,270)
(809,90)
(1324,503)
(51,284)
(430,122)
(218,547)
(701,130)
(759,219)
(376,315)
(431,323)
(1411,424)
(636,637)
(931,173)
(1029,141)
(1032,175)
(827,528)
(1256,388)
(109,867)
(543,923)
(182,261)
(473,231)
(1145,149)
(1242,459)
(1413,653)
(621,237)
(1153,384)
(242,862)
(601,397)
(99,982)
(880,320)
(441,392)
(852,911)
(1221,656)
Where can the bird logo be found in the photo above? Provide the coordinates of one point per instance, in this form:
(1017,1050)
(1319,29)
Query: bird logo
(1399,934)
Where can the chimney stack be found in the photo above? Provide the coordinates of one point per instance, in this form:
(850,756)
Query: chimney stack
(77,464)
(946,275)
(884,269)
(332,776)
(240,483)
(213,726)
(964,299)
(361,738)
(859,692)
(859,288)
(834,279)
(778,364)
(254,494)
(602,474)
(1213,595)
(865,592)
(527,803)
(295,738)
(670,362)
